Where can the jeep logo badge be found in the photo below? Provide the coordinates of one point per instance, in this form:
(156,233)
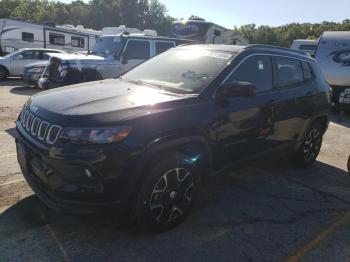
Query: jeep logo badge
(34,109)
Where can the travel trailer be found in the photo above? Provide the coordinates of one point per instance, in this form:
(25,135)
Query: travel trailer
(17,34)
(333,56)
(126,30)
(305,45)
(205,32)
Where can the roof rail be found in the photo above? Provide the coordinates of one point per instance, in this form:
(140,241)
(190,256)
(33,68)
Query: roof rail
(277,47)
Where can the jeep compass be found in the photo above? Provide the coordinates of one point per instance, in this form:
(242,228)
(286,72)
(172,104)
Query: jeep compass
(145,142)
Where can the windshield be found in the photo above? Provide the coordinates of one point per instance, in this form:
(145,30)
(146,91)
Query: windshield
(12,54)
(107,46)
(184,71)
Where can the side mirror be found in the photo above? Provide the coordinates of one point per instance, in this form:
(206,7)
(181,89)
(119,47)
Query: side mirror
(124,58)
(238,89)
(19,57)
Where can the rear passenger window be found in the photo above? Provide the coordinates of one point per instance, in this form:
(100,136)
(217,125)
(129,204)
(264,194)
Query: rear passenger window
(256,70)
(289,72)
(138,49)
(163,46)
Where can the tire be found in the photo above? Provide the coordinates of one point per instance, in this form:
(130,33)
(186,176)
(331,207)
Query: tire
(3,73)
(311,146)
(167,194)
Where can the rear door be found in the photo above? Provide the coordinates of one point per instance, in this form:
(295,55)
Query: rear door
(24,58)
(296,88)
(135,52)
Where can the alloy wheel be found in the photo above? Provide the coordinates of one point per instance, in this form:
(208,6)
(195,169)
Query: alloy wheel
(312,145)
(172,195)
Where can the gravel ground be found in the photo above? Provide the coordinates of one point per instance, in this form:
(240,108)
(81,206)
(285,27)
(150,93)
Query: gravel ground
(267,210)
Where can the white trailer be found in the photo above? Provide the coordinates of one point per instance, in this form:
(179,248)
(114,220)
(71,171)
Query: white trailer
(333,56)
(16,34)
(205,32)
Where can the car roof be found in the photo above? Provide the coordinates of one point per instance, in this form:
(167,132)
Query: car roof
(266,49)
(43,49)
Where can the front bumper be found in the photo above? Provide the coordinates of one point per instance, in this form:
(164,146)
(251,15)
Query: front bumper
(31,78)
(60,180)
(45,83)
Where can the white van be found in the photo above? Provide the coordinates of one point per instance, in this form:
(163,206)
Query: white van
(305,45)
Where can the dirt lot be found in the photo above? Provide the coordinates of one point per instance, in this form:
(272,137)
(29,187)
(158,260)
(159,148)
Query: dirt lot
(265,211)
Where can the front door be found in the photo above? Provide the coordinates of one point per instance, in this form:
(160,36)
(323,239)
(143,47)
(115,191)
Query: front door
(24,58)
(246,123)
(135,52)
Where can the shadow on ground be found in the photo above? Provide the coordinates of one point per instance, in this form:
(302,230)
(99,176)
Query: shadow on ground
(261,212)
(344,120)
(12,132)
(24,90)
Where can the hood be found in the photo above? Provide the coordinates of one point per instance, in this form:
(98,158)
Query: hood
(102,101)
(37,64)
(75,56)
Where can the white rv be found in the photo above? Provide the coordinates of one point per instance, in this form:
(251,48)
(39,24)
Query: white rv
(205,32)
(305,45)
(17,34)
(333,56)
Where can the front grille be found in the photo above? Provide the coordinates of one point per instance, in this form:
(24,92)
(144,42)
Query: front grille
(39,128)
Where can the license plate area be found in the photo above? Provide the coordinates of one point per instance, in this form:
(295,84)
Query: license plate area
(40,170)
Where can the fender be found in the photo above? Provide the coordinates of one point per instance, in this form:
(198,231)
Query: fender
(160,146)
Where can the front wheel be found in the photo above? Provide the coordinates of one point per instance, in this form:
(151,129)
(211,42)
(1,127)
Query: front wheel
(311,146)
(167,194)
(2,73)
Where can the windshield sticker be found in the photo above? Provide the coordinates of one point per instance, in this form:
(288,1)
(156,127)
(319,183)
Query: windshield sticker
(261,65)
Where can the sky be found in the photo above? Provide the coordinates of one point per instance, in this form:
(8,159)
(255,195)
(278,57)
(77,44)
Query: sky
(230,13)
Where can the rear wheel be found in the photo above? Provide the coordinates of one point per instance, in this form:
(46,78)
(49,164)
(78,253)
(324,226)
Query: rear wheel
(311,146)
(167,194)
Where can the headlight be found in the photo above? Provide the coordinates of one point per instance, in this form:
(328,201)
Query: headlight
(95,135)
(35,69)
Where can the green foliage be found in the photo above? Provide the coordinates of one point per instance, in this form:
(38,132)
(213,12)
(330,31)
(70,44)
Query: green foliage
(148,14)
(143,14)
(284,35)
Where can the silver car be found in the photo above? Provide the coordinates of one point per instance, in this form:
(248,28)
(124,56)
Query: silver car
(14,63)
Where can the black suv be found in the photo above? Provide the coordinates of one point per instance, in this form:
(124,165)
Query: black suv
(146,141)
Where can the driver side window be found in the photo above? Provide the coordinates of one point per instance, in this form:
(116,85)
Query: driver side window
(138,49)
(34,54)
(256,70)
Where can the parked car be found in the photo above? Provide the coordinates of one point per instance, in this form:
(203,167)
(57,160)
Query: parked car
(14,63)
(111,56)
(32,72)
(145,142)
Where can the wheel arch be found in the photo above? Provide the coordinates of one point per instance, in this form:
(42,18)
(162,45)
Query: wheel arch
(6,70)
(190,146)
(195,147)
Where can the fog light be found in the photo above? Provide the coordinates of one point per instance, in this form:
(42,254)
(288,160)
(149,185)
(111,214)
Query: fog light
(88,173)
